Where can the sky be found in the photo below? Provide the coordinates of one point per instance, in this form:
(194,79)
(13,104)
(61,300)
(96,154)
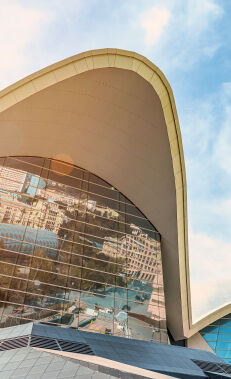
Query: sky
(190,41)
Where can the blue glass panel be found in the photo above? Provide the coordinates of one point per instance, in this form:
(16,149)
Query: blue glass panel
(224,345)
(210,337)
(228,361)
(223,353)
(226,330)
(210,329)
(225,322)
(215,323)
(224,337)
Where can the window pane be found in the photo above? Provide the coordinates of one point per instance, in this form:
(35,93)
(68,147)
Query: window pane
(74,251)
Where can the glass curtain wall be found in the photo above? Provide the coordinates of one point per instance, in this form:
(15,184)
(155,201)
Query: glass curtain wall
(218,337)
(75,252)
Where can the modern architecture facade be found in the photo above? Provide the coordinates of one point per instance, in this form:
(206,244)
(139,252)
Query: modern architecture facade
(94,265)
(93,218)
(218,337)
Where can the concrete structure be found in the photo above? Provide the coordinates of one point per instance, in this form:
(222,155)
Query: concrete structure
(96,91)
(112,113)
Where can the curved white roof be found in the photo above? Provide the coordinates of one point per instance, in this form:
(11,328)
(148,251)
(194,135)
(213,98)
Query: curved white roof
(113,112)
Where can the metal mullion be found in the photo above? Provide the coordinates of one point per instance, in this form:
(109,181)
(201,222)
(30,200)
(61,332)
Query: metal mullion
(34,320)
(65,164)
(121,222)
(79,232)
(96,226)
(84,228)
(11,168)
(77,178)
(35,243)
(45,259)
(74,277)
(69,255)
(34,294)
(117,221)
(130,204)
(63,251)
(17,257)
(65,206)
(30,306)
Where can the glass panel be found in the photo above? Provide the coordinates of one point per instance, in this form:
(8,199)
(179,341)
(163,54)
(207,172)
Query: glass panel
(224,345)
(210,329)
(223,353)
(75,252)
(224,337)
(106,192)
(210,337)
(225,329)
(95,179)
(225,322)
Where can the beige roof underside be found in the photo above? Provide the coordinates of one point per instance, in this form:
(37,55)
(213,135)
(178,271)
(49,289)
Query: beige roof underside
(114,113)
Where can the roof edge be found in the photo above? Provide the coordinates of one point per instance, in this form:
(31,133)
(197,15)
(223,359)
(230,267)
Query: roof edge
(209,318)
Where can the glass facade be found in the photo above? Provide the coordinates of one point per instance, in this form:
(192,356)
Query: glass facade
(218,337)
(75,252)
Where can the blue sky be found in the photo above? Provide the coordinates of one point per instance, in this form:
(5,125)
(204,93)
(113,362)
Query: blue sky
(190,41)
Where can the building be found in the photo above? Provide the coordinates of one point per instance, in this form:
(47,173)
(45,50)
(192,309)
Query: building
(39,215)
(11,179)
(116,285)
(143,254)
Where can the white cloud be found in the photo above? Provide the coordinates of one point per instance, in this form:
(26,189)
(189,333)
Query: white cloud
(198,15)
(20,27)
(153,23)
(210,270)
(185,38)
(222,151)
(207,141)
(209,296)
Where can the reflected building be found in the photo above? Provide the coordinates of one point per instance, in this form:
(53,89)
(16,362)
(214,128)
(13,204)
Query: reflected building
(12,180)
(143,253)
(39,215)
(111,247)
(106,261)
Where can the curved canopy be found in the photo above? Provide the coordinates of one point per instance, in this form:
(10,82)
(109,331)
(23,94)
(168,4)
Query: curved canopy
(113,113)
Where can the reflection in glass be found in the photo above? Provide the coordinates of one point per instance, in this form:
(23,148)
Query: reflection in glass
(75,252)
